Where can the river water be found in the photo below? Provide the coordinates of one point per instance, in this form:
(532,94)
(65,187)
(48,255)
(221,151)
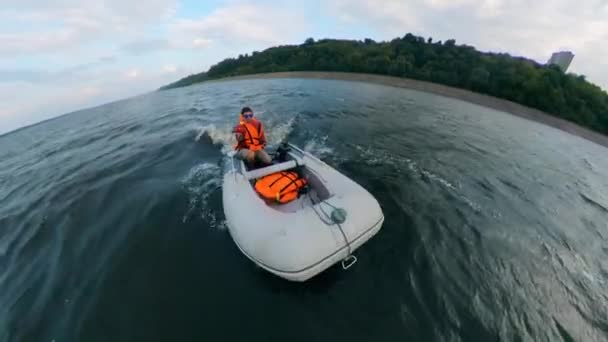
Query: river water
(112,228)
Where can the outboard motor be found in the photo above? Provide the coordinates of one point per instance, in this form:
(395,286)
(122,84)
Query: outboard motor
(281,153)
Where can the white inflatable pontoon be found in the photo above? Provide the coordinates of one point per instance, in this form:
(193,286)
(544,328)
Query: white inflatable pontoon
(302,238)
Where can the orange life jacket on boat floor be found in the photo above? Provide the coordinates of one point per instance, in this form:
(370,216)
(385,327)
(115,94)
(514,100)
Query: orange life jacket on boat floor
(281,187)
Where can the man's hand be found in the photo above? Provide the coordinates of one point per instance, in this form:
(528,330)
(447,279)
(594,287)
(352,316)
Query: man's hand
(239,136)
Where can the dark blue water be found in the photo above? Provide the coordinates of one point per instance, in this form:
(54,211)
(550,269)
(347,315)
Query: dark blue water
(112,229)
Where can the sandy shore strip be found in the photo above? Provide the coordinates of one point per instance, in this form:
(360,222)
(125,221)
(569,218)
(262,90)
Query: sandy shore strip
(460,94)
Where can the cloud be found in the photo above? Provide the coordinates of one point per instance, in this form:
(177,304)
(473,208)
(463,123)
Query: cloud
(201,42)
(146,46)
(76,72)
(237,26)
(87,12)
(481,8)
(169,68)
(71,24)
(132,74)
(90,91)
(15,44)
(22,75)
(107,59)
(240,24)
(43,44)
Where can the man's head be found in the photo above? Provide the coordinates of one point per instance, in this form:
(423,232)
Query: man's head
(247,113)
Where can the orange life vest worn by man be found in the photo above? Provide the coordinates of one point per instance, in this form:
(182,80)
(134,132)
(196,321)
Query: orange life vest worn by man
(250,138)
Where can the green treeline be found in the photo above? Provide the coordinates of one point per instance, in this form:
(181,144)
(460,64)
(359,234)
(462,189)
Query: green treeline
(516,79)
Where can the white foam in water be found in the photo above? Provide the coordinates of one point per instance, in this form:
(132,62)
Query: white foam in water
(200,183)
(379,157)
(219,136)
(318,147)
(276,133)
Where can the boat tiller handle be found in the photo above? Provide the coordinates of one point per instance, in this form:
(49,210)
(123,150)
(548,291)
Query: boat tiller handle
(349,261)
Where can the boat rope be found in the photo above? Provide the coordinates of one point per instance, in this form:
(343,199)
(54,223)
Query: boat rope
(326,220)
(337,217)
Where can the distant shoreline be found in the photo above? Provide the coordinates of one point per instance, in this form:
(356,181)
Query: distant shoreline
(438,89)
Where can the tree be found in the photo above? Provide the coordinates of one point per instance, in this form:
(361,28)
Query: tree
(480,77)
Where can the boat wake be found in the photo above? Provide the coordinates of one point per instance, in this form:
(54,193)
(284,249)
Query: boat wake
(203,185)
(375,157)
(318,146)
(221,136)
(276,132)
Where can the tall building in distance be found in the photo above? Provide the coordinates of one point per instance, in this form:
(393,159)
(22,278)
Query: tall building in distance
(562,59)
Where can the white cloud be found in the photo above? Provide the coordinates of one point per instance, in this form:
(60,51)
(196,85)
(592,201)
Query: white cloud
(132,74)
(144,46)
(71,24)
(43,46)
(241,24)
(79,72)
(169,68)
(201,42)
(390,17)
(482,8)
(75,11)
(12,44)
(91,91)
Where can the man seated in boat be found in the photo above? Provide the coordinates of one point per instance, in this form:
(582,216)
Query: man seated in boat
(251,140)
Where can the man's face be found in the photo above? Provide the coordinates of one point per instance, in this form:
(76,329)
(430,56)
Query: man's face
(248,116)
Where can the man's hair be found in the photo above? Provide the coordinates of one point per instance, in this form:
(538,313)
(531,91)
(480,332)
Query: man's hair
(245,110)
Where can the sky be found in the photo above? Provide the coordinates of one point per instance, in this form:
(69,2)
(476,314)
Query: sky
(58,56)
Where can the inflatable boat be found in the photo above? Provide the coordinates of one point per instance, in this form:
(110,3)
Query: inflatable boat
(297,240)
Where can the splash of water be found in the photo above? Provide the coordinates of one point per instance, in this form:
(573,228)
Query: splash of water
(318,146)
(201,182)
(276,133)
(221,136)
